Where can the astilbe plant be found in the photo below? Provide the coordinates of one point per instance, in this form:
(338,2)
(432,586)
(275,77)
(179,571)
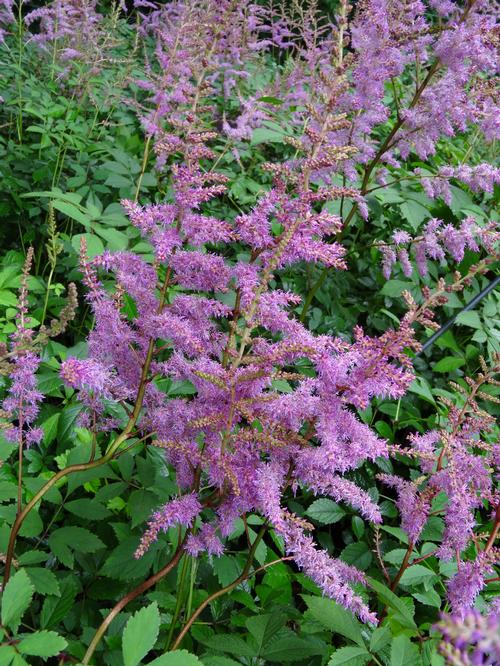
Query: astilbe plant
(238,444)
(456,463)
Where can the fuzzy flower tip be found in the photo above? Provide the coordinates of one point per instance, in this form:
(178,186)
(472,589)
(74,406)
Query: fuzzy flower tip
(180,511)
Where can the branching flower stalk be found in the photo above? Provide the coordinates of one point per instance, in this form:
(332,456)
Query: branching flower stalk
(456,460)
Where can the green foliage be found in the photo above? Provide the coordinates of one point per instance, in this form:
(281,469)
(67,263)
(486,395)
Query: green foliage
(72,152)
(140,634)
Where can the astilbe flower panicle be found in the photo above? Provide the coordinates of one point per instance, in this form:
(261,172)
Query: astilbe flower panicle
(471,639)
(456,461)
(20,361)
(236,436)
(438,242)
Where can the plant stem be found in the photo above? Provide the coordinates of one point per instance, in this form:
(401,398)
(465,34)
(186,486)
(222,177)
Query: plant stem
(219,593)
(112,449)
(145,585)
(178,605)
(46,300)
(366,179)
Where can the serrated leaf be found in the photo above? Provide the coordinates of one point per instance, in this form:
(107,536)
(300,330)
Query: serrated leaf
(8,490)
(469,318)
(231,644)
(291,648)
(44,580)
(405,615)
(429,598)
(349,656)
(42,644)
(88,509)
(121,564)
(403,652)
(358,554)
(394,288)
(7,653)
(325,511)
(16,598)
(380,638)
(140,634)
(227,569)
(264,627)
(335,618)
(416,574)
(177,658)
(66,540)
(420,386)
(56,607)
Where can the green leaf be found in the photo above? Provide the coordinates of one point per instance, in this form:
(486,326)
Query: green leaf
(405,614)
(470,319)
(358,554)
(56,607)
(7,654)
(16,598)
(177,658)
(429,598)
(380,638)
(349,656)
(265,135)
(94,244)
(231,644)
(414,213)
(88,509)
(416,574)
(227,568)
(335,618)
(8,490)
(140,634)
(264,627)
(403,652)
(42,644)
(64,541)
(73,212)
(394,288)
(421,387)
(50,426)
(291,648)
(44,580)
(216,660)
(448,364)
(325,511)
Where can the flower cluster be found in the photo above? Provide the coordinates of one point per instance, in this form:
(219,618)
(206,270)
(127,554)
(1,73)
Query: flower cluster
(471,640)
(456,462)
(237,442)
(436,242)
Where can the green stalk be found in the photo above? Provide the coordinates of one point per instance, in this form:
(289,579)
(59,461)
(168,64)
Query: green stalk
(179,602)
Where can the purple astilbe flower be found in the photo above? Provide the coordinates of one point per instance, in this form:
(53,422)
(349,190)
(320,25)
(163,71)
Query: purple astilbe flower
(332,576)
(23,398)
(206,540)
(22,403)
(438,240)
(456,462)
(7,18)
(414,507)
(180,511)
(234,441)
(73,27)
(470,639)
(466,584)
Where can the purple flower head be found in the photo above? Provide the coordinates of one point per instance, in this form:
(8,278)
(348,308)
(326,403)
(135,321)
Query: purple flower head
(180,511)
